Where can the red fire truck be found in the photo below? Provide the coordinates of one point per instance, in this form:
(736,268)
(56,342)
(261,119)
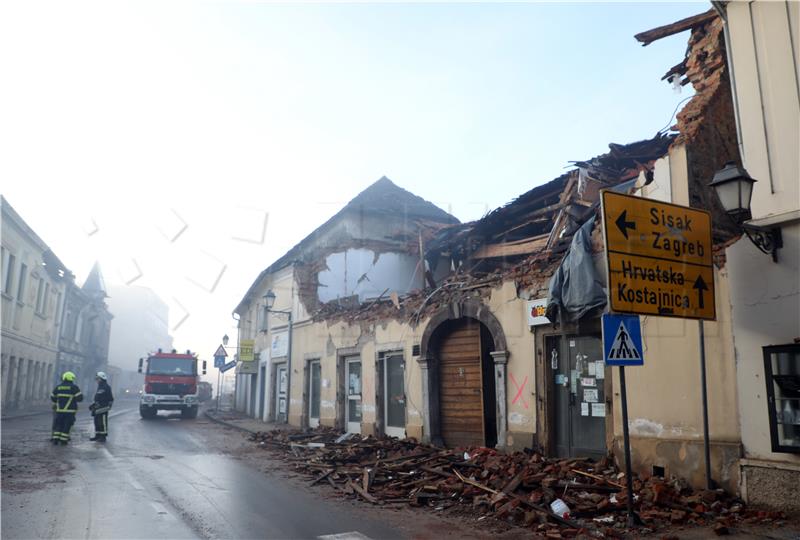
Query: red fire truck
(170,384)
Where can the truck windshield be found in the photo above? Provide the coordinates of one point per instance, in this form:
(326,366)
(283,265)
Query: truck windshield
(170,366)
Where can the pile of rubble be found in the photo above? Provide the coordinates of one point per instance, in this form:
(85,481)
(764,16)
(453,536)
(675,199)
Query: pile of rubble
(557,498)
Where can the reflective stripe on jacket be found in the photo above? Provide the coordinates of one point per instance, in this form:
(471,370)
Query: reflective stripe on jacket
(66,397)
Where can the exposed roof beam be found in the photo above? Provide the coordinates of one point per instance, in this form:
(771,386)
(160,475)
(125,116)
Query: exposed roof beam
(646,38)
(509,249)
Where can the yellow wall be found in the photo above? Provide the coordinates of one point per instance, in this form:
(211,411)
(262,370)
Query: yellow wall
(511,312)
(664,395)
(329,341)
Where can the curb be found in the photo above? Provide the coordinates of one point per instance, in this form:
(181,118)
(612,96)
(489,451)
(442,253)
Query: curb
(25,415)
(227,424)
(50,411)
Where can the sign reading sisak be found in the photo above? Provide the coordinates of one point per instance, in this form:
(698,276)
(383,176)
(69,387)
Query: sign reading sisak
(659,258)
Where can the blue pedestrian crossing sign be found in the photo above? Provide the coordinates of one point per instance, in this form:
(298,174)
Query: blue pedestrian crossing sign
(622,340)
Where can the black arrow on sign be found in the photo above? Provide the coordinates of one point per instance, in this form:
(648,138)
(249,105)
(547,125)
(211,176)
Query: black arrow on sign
(625,225)
(701,286)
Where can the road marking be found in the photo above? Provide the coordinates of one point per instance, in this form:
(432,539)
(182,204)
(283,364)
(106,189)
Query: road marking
(160,508)
(353,535)
(136,485)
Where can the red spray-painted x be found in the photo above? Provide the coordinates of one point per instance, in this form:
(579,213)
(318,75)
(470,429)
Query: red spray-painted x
(520,388)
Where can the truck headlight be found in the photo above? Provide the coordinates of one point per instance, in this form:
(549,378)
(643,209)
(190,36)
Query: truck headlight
(149,399)
(191,399)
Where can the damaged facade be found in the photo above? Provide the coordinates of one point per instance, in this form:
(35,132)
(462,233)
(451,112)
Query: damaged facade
(407,323)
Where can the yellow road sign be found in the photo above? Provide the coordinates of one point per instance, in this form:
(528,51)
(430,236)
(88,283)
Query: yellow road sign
(246,347)
(655,287)
(659,258)
(656,229)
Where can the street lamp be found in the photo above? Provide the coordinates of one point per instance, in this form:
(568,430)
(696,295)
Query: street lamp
(269,301)
(225,340)
(734,188)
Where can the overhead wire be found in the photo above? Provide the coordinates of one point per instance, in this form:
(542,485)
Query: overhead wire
(669,123)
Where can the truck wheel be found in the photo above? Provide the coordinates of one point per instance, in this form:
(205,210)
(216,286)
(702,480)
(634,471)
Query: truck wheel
(189,412)
(147,412)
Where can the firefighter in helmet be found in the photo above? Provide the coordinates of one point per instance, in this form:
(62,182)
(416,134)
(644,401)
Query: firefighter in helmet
(103,399)
(65,398)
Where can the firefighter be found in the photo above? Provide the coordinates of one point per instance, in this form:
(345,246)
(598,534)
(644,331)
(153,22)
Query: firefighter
(65,398)
(103,399)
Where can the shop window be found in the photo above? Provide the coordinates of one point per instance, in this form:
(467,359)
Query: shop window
(782,370)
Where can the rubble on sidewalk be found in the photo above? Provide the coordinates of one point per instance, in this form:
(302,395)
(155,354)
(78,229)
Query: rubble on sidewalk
(514,487)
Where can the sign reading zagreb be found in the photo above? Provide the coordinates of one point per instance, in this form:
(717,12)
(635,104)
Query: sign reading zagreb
(659,258)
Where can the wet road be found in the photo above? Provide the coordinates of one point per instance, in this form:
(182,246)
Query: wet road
(154,479)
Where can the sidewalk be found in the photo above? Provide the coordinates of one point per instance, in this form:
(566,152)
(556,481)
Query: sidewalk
(242,422)
(120,406)
(33,410)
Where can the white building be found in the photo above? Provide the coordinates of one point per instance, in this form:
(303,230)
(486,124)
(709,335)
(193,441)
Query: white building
(33,291)
(763,43)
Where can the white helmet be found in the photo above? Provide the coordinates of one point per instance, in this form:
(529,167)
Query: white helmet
(102,375)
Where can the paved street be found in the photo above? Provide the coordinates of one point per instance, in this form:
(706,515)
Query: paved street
(165,478)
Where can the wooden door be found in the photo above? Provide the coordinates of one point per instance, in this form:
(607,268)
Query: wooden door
(461,386)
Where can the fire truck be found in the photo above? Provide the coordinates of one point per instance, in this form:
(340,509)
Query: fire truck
(170,384)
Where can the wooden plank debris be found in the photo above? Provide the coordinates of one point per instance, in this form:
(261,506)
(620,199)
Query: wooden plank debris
(649,36)
(516,487)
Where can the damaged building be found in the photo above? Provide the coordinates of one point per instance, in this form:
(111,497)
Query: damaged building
(394,319)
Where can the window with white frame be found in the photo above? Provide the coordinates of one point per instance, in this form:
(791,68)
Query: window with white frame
(8,270)
(23,280)
(76,336)
(39,295)
(46,299)
(4,253)
(58,308)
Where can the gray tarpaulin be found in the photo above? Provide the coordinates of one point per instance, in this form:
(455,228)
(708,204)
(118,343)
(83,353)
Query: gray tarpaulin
(575,288)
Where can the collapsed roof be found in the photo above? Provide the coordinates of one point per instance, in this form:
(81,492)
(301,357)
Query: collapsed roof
(523,240)
(706,124)
(382,198)
(545,218)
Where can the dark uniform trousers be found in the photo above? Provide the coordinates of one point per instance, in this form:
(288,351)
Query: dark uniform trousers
(103,399)
(101,423)
(65,397)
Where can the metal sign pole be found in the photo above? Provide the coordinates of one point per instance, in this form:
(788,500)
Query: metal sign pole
(706,447)
(627,443)
(219,371)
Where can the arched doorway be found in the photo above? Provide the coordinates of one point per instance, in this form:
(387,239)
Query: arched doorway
(467,401)
(463,358)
